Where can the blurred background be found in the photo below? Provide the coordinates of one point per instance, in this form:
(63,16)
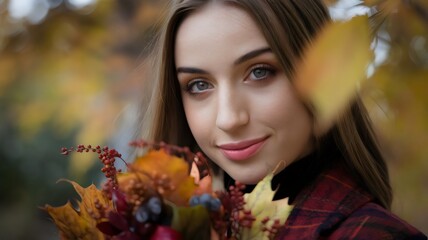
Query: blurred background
(71,72)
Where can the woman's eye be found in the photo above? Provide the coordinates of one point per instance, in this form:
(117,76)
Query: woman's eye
(198,86)
(260,73)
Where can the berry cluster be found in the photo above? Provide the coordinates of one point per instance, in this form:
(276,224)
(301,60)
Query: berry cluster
(131,221)
(162,183)
(235,217)
(207,200)
(101,210)
(274,229)
(107,157)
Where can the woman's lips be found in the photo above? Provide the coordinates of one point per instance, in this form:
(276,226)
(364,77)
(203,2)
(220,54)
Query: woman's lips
(242,150)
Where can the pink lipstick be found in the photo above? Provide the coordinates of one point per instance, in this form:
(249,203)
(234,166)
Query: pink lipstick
(242,150)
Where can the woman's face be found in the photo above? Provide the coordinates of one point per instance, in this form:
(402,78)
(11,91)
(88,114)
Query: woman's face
(240,106)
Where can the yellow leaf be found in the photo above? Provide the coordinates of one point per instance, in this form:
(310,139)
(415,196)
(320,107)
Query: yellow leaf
(333,68)
(259,201)
(89,195)
(159,164)
(79,224)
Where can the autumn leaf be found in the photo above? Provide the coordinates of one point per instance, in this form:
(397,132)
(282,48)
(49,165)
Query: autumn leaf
(333,67)
(259,201)
(78,223)
(191,222)
(160,166)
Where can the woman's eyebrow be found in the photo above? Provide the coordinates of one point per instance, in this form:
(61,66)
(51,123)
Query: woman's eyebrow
(252,54)
(191,70)
(240,60)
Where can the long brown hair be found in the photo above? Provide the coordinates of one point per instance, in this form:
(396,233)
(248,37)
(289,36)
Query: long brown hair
(288,26)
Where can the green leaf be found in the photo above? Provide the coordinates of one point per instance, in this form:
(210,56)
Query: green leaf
(191,222)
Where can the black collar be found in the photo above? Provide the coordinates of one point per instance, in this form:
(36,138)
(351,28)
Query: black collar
(290,181)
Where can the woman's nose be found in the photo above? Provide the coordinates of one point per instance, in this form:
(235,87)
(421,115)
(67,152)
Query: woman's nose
(232,112)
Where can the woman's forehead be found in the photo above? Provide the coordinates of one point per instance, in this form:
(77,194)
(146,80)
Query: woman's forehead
(214,27)
(214,14)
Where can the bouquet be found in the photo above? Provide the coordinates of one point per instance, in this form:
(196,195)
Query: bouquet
(166,193)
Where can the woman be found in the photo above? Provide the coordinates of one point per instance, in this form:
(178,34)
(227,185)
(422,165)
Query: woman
(225,86)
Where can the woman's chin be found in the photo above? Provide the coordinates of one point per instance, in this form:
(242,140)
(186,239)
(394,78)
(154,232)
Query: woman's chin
(247,180)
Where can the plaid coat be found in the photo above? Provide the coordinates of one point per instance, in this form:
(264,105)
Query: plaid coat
(335,208)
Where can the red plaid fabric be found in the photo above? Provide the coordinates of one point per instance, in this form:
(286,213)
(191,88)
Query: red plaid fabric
(335,208)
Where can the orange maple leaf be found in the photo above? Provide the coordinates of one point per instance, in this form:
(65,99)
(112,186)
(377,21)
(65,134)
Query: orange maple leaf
(159,169)
(79,223)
